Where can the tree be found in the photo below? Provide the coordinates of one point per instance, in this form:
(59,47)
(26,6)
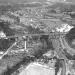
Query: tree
(5,43)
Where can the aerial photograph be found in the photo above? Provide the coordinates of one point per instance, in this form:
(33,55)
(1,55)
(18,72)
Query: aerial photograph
(37,37)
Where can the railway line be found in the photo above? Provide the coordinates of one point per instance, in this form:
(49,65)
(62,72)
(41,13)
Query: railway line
(51,35)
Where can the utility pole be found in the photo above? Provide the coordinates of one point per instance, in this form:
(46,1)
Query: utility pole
(25,45)
(25,42)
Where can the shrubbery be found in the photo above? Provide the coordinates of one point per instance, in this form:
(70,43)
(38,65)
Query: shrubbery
(5,43)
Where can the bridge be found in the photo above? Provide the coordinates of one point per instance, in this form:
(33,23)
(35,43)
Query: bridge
(51,35)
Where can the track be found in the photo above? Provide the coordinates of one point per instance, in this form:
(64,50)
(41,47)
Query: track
(52,35)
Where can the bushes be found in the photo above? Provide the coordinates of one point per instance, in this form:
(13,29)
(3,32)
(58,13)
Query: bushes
(5,43)
(4,26)
(70,35)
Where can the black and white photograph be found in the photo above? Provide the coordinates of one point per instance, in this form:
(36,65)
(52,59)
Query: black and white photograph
(37,37)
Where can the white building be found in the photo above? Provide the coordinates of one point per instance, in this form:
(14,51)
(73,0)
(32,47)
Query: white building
(64,28)
(2,34)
